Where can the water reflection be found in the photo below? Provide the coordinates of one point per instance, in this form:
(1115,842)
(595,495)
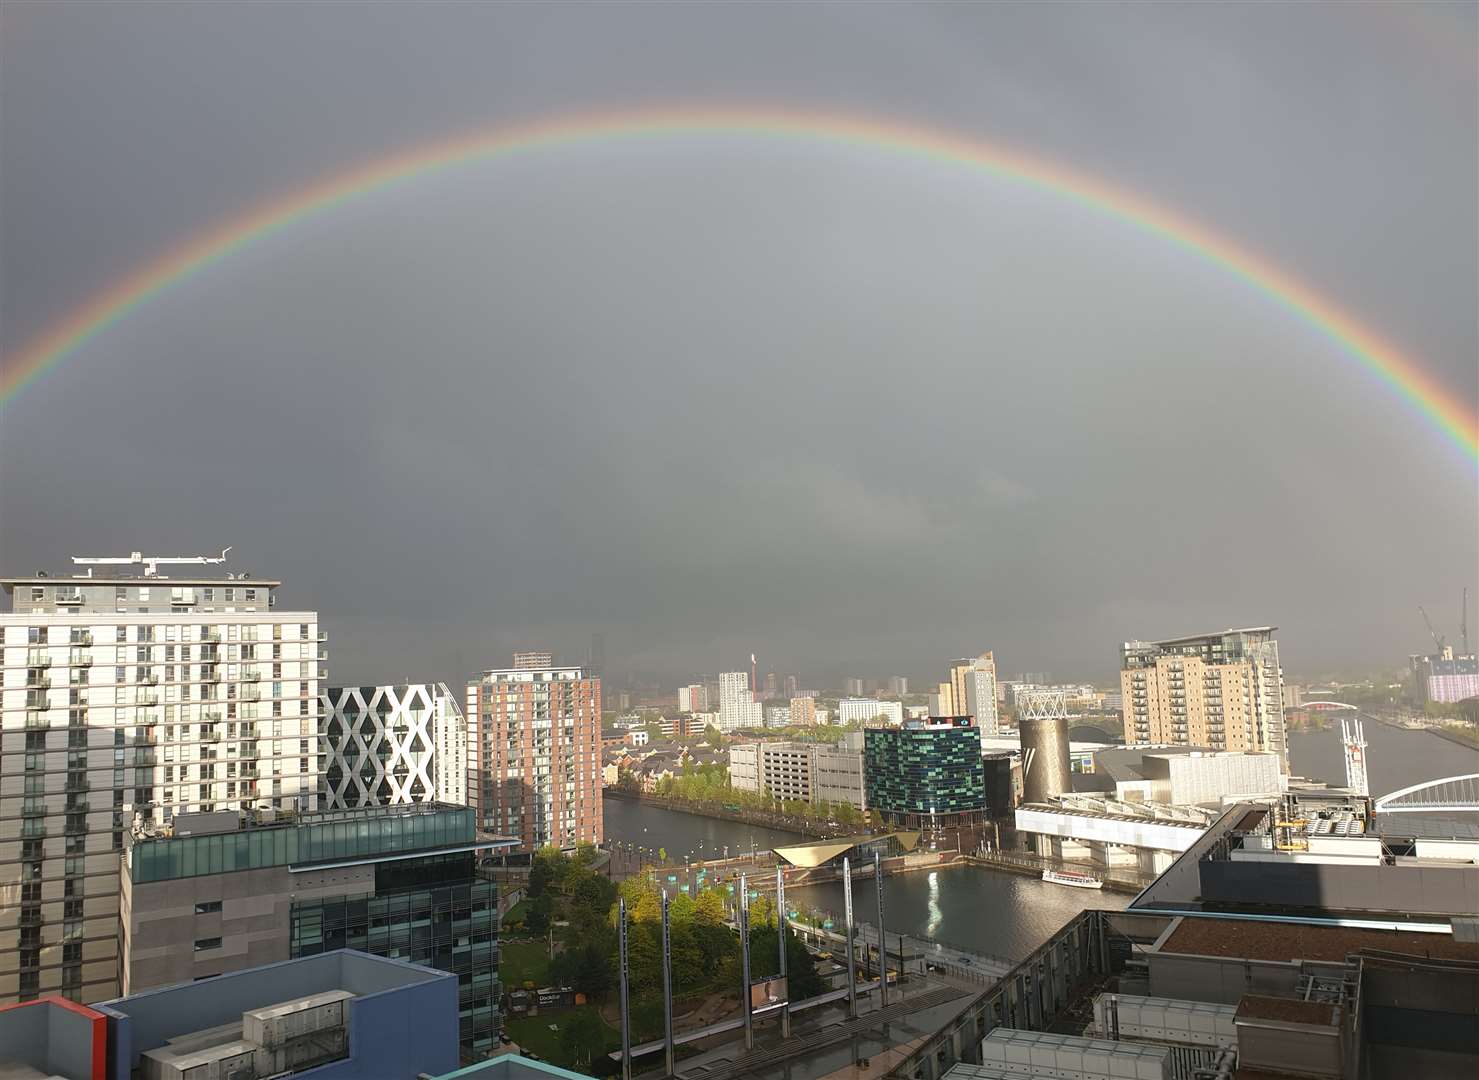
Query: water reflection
(933,916)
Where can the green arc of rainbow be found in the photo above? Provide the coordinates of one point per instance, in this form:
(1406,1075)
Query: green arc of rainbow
(1443,408)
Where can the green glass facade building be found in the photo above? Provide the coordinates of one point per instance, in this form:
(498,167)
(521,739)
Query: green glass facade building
(396,881)
(925,775)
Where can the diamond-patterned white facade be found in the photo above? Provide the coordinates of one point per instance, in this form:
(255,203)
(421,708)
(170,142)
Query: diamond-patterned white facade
(384,745)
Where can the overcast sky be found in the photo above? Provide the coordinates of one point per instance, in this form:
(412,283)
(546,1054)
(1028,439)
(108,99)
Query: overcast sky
(712,395)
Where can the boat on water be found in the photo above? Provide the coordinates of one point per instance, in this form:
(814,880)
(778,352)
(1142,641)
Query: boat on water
(1072,877)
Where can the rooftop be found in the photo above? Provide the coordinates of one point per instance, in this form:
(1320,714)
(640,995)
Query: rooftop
(313,841)
(1190,638)
(1285,941)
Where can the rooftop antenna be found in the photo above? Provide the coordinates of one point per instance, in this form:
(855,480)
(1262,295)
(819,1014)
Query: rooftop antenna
(151,562)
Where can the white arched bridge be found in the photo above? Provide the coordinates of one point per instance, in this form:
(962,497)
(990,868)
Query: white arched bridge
(1451,793)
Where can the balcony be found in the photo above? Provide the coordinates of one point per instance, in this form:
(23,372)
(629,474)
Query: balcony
(250,693)
(33,830)
(251,676)
(80,637)
(148,679)
(78,807)
(146,698)
(30,917)
(33,808)
(38,682)
(78,782)
(37,720)
(80,658)
(38,658)
(211,676)
(213,636)
(68,600)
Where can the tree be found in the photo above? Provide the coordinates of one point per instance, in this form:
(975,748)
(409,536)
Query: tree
(541,910)
(801,970)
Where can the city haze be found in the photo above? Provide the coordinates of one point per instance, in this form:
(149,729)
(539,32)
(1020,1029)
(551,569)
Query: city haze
(708,395)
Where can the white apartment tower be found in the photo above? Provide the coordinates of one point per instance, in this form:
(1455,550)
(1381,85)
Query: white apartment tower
(128,697)
(737,706)
(388,745)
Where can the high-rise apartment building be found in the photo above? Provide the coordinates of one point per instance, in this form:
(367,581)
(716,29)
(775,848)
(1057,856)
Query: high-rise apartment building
(973,691)
(533,660)
(792,684)
(693,698)
(898,685)
(1222,691)
(130,697)
(737,706)
(534,760)
(803,711)
(389,745)
(869,711)
(853,686)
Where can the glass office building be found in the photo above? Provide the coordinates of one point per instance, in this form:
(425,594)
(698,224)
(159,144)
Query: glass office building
(925,775)
(395,881)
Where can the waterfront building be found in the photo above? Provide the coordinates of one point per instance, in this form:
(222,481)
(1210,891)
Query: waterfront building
(839,776)
(534,763)
(1222,691)
(925,775)
(1445,677)
(738,708)
(744,767)
(803,711)
(1182,775)
(387,745)
(396,881)
(1140,839)
(869,711)
(129,697)
(339,1015)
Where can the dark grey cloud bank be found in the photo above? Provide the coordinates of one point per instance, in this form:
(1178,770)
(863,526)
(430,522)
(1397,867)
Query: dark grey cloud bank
(855,412)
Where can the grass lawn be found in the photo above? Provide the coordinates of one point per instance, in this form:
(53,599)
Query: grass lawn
(582,1036)
(521,961)
(516,913)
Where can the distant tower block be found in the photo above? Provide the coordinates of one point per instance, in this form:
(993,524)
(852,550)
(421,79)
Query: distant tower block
(1043,728)
(1353,739)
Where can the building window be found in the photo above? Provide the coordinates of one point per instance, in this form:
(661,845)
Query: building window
(206,908)
(206,943)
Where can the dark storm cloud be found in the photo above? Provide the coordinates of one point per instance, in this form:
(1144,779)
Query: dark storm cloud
(714,395)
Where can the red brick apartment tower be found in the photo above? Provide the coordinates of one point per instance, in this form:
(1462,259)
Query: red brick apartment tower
(534,756)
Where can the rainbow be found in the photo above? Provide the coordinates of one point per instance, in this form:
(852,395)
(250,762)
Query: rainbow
(1444,409)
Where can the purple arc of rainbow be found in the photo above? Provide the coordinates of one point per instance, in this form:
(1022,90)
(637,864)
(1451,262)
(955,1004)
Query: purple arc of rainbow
(1444,409)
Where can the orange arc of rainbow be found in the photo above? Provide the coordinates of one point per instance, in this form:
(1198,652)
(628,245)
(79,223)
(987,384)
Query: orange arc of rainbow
(1441,406)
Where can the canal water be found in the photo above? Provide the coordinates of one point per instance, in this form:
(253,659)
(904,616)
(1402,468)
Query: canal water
(687,836)
(969,907)
(1395,757)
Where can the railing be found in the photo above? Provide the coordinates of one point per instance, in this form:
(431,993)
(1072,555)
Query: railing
(38,682)
(36,720)
(38,658)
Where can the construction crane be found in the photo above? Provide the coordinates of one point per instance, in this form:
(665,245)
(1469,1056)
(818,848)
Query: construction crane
(1437,637)
(1463,622)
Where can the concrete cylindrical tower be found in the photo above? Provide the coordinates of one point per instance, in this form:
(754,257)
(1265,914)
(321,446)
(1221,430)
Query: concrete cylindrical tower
(1045,768)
